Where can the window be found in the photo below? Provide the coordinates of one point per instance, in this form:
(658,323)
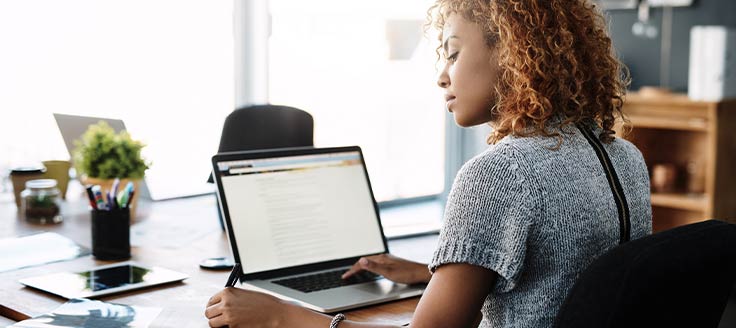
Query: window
(165,67)
(366,72)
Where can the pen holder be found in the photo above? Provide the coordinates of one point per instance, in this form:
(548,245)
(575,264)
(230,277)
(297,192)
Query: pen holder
(111,234)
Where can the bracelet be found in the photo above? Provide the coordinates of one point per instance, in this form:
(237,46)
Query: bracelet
(336,320)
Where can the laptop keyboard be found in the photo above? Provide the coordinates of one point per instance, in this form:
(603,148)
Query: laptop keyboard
(326,280)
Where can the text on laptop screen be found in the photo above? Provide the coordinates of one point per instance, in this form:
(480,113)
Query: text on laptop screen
(296,210)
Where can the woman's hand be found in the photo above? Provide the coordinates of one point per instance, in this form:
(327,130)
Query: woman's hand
(237,307)
(392,268)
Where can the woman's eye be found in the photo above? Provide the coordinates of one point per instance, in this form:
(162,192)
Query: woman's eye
(452,58)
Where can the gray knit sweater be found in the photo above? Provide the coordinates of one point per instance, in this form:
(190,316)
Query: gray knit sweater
(537,217)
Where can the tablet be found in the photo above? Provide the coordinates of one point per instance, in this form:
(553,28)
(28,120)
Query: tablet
(103,280)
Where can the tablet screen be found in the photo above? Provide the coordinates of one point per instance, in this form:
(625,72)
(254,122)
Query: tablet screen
(102,280)
(113,277)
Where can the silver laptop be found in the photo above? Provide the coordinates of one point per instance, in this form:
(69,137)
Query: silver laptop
(155,186)
(298,218)
(73,127)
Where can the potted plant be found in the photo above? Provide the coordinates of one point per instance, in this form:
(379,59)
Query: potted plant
(102,155)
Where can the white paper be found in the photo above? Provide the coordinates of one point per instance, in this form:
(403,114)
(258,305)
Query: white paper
(81,312)
(37,249)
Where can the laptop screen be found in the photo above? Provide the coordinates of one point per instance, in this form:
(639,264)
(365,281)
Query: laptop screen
(296,210)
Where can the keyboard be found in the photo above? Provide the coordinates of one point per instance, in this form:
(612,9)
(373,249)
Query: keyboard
(326,280)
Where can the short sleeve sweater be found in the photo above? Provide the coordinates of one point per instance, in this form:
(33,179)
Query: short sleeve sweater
(537,216)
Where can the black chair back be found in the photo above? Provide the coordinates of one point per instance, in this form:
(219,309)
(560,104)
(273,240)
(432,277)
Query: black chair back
(266,127)
(676,278)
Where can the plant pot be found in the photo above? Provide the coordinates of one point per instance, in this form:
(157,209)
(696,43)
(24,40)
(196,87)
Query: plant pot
(106,184)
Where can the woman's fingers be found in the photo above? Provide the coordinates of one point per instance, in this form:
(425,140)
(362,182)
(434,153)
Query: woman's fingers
(244,308)
(214,315)
(353,270)
(368,264)
(364,263)
(218,321)
(392,268)
(213,311)
(215,298)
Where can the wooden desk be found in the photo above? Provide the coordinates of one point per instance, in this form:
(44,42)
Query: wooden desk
(183,303)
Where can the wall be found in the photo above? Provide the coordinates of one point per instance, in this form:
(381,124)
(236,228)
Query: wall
(642,55)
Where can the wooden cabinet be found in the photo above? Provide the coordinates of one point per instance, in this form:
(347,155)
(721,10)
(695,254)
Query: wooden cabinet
(699,139)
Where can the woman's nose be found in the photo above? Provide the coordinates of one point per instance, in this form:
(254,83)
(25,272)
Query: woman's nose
(443,81)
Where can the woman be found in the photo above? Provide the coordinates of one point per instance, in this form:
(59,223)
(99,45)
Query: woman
(530,213)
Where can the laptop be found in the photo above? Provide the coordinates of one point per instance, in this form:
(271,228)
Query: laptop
(73,127)
(157,185)
(298,218)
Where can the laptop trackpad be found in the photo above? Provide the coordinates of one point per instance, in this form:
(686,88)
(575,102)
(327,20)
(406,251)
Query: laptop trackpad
(382,287)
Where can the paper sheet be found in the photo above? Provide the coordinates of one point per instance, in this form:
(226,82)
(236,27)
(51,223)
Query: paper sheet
(80,312)
(37,249)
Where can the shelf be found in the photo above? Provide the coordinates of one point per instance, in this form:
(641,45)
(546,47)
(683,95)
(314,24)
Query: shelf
(675,129)
(690,202)
(693,124)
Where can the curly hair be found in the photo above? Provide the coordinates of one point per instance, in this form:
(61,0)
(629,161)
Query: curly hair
(555,57)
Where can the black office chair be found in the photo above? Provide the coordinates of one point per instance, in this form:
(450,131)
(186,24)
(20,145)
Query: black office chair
(266,127)
(677,278)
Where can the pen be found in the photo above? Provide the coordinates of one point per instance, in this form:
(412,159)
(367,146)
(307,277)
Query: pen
(115,185)
(91,197)
(119,198)
(124,194)
(97,191)
(108,198)
(234,275)
(113,192)
(130,198)
(114,201)
(131,192)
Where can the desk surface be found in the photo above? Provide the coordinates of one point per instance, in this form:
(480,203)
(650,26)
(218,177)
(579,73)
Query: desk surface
(183,303)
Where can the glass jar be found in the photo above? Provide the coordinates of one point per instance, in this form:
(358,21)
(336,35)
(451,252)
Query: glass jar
(20,175)
(41,201)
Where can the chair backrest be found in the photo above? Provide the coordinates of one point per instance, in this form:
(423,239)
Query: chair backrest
(265,127)
(677,278)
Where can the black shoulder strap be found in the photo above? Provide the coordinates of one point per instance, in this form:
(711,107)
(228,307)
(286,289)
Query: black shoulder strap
(618,192)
